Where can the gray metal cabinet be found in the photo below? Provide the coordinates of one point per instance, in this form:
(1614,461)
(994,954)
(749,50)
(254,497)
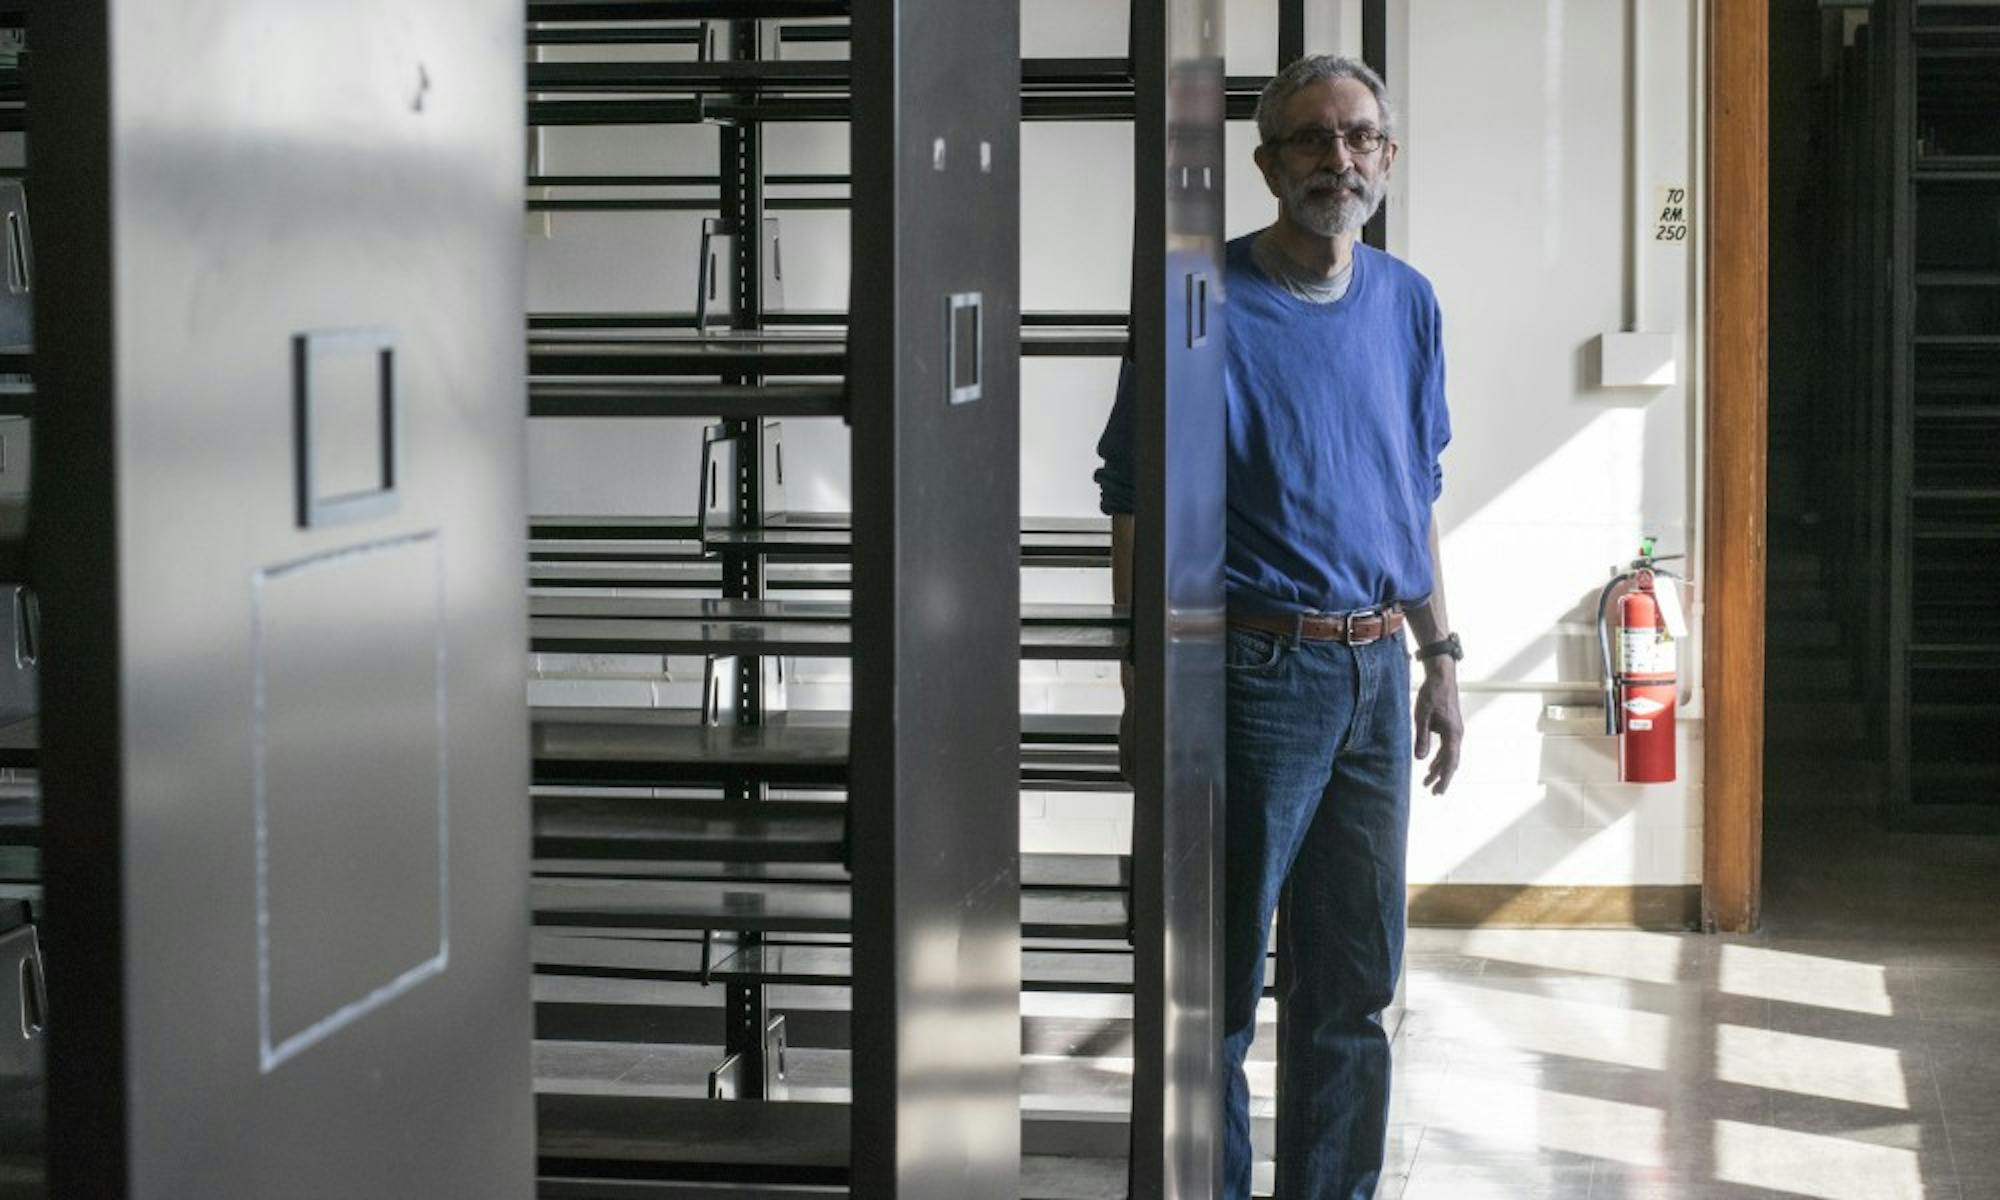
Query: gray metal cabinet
(277,536)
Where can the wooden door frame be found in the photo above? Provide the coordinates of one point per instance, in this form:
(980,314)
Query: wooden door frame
(1735,340)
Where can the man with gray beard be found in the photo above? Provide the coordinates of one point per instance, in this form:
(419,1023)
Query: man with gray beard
(1335,395)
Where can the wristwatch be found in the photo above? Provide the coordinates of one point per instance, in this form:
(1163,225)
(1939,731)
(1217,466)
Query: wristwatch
(1448,645)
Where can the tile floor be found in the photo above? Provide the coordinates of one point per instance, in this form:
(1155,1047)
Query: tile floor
(1850,1050)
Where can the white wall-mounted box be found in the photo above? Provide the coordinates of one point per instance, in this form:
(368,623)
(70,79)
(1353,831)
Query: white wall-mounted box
(1637,360)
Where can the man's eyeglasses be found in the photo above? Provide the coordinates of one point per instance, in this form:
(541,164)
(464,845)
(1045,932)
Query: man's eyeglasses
(1313,142)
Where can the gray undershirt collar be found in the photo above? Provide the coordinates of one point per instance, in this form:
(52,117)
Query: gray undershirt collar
(1296,280)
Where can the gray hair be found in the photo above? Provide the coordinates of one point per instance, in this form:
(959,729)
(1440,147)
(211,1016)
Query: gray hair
(1316,68)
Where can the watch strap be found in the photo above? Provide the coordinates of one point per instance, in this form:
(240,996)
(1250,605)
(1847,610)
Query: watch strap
(1447,645)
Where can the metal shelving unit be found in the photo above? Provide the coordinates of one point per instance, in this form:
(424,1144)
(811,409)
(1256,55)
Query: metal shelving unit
(692,879)
(23,1090)
(1942,70)
(713,580)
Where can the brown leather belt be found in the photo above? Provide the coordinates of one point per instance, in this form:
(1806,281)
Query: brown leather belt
(1353,628)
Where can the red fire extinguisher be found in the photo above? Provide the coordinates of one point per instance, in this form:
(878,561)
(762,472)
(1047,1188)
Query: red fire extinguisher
(1640,697)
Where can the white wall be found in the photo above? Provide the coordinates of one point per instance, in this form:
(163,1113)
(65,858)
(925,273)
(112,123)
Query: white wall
(1516,194)
(1512,195)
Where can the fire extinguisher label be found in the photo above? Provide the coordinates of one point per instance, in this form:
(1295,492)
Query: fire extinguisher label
(1672,615)
(1645,652)
(1644,706)
(1641,724)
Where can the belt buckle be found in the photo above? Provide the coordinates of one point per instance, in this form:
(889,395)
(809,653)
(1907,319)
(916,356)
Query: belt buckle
(1347,625)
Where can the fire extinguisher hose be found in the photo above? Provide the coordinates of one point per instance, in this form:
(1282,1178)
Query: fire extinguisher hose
(1604,652)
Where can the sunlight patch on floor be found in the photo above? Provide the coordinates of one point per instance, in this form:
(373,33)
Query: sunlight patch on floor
(1811,1066)
(1812,1164)
(1627,954)
(1806,979)
(1546,1025)
(1515,1116)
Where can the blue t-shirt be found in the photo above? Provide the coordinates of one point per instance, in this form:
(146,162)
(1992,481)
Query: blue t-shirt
(1336,420)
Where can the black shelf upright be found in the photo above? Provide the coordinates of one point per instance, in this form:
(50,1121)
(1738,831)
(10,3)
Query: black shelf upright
(1850,444)
(750,1038)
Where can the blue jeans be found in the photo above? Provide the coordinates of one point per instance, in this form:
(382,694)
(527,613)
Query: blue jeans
(1317,828)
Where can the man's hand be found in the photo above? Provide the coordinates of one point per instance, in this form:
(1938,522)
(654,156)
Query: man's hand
(1437,699)
(1437,712)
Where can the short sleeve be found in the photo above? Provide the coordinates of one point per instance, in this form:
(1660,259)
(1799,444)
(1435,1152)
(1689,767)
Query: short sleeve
(1436,413)
(1114,478)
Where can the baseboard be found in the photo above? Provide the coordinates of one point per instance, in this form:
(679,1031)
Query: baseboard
(1517,906)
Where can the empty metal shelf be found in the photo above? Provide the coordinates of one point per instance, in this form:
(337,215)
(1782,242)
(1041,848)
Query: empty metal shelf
(552,550)
(689,110)
(588,353)
(1092,729)
(788,907)
(620,827)
(715,355)
(681,10)
(706,575)
(1074,343)
(612,528)
(1074,643)
(741,1141)
(13,539)
(589,745)
(1081,319)
(665,398)
(794,90)
(748,868)
(786,544)
(21,819)
(598,635)
(680,960)
(761,1149)
(20,743)
(814,639)
(689,608)
(1038,548)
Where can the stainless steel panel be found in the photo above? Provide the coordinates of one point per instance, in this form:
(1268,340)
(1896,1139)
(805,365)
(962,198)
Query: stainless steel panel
(936,809)
(332,820)
(217,187)
(1177,605)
